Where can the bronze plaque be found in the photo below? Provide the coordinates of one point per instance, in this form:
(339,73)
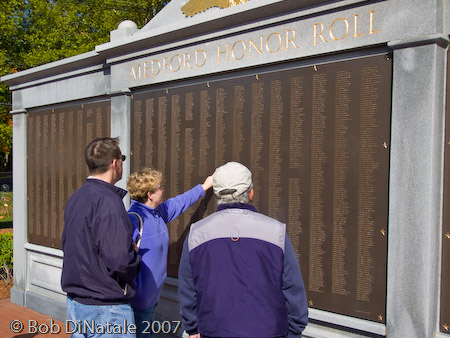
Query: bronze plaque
(445,276)
(317,142)
(56,167)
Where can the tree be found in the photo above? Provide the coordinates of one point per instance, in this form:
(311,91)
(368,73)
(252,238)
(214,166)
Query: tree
(10,44)
(63,28)
(36,32)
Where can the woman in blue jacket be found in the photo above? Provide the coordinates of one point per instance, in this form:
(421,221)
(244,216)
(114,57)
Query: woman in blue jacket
(146,193)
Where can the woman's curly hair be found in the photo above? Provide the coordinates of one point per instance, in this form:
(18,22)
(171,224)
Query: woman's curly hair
(142,182)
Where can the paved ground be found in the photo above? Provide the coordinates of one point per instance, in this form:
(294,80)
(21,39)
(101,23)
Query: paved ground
(20,322)
(34,324)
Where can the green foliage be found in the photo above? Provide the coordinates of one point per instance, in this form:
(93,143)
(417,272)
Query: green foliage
(63,28)
(5,137)
(10,44)
(6,256)
(36,32)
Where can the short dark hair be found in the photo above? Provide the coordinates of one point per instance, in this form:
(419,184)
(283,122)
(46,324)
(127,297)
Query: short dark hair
(100,153)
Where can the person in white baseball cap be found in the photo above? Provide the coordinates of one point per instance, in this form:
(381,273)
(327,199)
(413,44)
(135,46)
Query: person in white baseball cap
(232,182)
(239,275)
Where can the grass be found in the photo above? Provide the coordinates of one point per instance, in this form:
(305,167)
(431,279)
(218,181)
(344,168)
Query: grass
(6,207)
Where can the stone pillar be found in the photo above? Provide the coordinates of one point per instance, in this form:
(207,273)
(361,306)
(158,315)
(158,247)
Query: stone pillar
(121,126)
(416,183)
(20,210)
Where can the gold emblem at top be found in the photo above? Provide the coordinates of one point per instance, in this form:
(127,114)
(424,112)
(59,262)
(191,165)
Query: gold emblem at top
(193,7)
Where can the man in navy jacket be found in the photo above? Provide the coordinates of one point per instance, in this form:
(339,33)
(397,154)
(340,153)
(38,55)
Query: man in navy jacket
(100,261)
(239,275)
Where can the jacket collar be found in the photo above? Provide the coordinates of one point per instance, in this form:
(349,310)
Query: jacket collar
(136,205)
(236,206)
(119,191)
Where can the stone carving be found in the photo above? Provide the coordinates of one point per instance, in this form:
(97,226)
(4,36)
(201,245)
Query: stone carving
(193,7)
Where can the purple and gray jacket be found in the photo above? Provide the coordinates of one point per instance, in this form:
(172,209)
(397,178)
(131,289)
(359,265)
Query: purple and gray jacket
(239,277)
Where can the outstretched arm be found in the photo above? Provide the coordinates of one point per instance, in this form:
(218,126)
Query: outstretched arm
(208,182)
(175,206)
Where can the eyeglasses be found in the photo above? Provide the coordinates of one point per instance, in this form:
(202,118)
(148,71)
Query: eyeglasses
(123,158)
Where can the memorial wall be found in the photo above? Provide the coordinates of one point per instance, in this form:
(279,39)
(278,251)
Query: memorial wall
(339,108)
(317,141)
(56,166)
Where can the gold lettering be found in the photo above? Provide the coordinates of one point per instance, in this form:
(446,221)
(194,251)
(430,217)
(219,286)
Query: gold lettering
(355,21)
(219,52)
(197,53)
(273,44)
(186,61)
(346,29)
(133,73)
(153,69)
(243,50)
(165,59)
(371,31)
(290,40)
(279,43)
(179,63)
(146,69)
(320,33)
(259,50)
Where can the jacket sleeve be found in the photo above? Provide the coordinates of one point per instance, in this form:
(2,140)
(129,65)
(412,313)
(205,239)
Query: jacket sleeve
(294,292)
(175,206)
(115,246)
(187,293)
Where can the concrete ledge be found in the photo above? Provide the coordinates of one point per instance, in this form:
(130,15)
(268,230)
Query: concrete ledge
(46,305)
(347,321)
(439,39)
(125,91)
(44,250)
(318,331)
(18,111)
(17,296)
